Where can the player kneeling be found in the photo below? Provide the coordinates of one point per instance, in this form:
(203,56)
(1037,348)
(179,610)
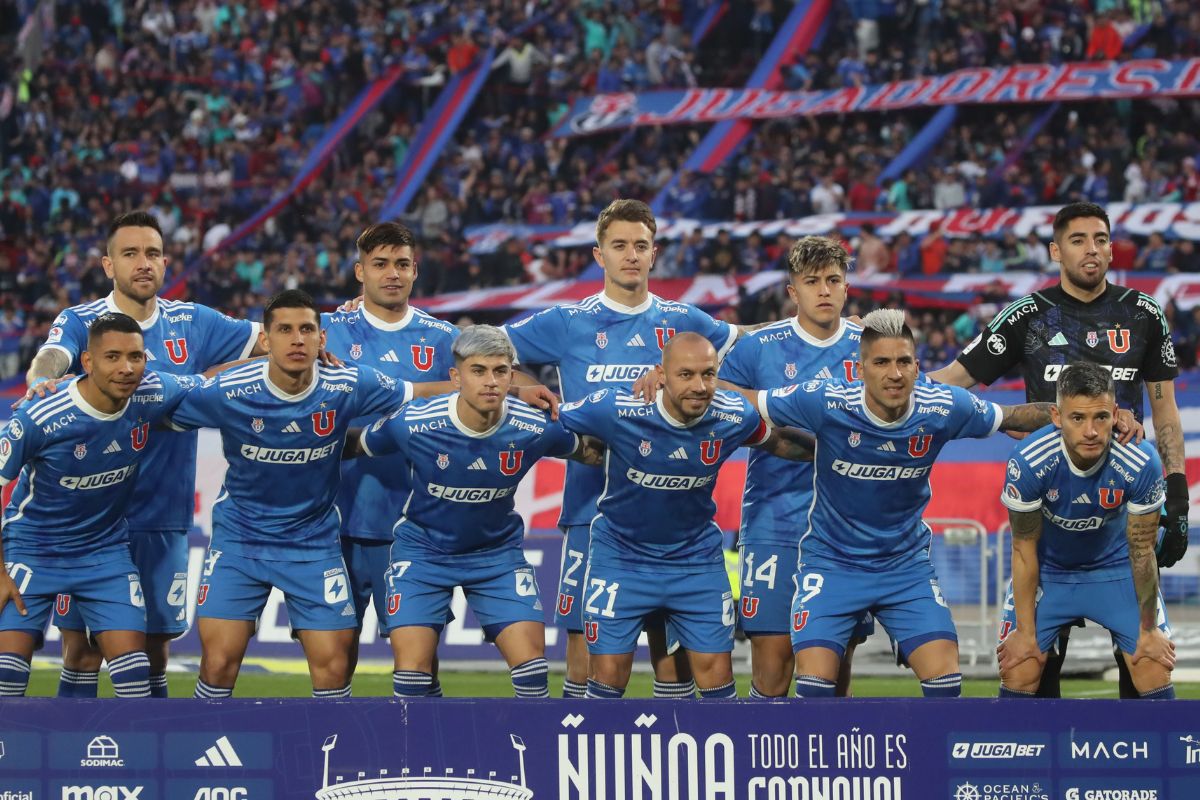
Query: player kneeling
(468,452)
(1097,501)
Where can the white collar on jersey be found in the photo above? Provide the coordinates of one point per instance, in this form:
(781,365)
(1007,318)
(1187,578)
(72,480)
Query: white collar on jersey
(91,410)
(674,423)
(608,302)
(808,338)
(467,431)
(284,396)
(376,322)
(110,303)
(1083,473)
(879,423)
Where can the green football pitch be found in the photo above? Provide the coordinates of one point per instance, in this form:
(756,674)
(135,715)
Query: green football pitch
(377,683)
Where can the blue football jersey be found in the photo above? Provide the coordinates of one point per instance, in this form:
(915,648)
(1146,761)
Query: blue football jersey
(1083,512)
(657,506)
(181,339)
(778,492)
(464,482)
(76,468)
(871,477)
(417,349)
(284,453)
(600,343)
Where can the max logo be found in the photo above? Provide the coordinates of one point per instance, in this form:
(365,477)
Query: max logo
(851,368)
(710,451)
(799,620)
(139,435)
(749,607)
(323,422)
(591,632)
(510,461)
(919,445)
(1118,340)
(663,335)
(62,604)
(177,349)
(422,357)
(565,601)
(1111,498)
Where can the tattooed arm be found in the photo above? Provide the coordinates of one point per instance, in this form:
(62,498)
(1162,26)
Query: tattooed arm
(1169,435)
(1021,644)
(1026,417)
(790,443)
(1142,531)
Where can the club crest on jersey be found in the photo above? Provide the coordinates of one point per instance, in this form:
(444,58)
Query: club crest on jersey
(710,451)
(1052,495)
(139,435)
(789,370)
(422,357)
(591,632)
(919,445)
(510,461)
(202,595)
(257,425)
(393,603)
(799,620)
(62,604)
(323,422)
(749,607)
(1118,340)
(565,601)
(663,334)
(443,460)
(851,369)
(602,339)
(356,350)
(1111,498)
(644,447)
(176,350)
(855,438)
(1092,339)
(80,451)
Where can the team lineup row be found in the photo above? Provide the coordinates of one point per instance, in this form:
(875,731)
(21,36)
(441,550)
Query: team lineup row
(446,468)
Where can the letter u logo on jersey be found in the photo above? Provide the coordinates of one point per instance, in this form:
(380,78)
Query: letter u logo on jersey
(202,595)
(510,461)
(565,601)
(710,451)
(799,620)
(139,435)
(176,350)
(663,335)
(749,607)
(62,604)
(323,422)
(919,445)
(1118,340)
(422,357)
(851,369)
(591,632)
(1111,498)
(393,603)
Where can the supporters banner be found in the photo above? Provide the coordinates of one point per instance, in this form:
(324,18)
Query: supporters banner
(1019,83)
(502,749)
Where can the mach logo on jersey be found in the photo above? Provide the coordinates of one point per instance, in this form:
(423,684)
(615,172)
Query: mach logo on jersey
(177,350)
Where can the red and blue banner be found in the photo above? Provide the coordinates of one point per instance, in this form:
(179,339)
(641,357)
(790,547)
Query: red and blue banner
(1018,83)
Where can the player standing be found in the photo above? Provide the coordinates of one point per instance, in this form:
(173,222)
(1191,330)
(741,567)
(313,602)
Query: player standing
(1085,318)
(77,455)
(181,338)
(1084,509)
(608,341)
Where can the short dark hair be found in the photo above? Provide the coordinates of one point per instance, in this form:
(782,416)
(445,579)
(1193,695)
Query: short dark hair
(1078,211)
(289,298)
(133,219)
(112,322)
(384,234)
(1084,379)
(625,211)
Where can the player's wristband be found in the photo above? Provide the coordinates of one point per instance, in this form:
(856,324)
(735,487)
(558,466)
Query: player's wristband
(1177,486)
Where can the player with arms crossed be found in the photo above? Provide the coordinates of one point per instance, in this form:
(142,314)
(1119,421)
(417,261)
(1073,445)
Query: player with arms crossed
(1084,509)
(181,338)
(655,550)
(815,344)
(467,452)
(608,341)
(1085,318)
(404,343)
(76,456)
(878,438)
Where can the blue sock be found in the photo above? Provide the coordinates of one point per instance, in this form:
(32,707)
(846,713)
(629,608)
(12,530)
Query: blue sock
(130,674)
(1015,693)
(332,694)
(812,686)
(675,690)
(410,683)
(1161,693)
(949,685)
(571,689)
(206,691)
(726,692)
(531,679)
(14,675)
(602,691)
(77,683)
(158,684)
(435,688)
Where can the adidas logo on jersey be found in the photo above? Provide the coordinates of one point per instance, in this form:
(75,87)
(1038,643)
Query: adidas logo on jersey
(679,455)
(1083,498)
(636,341)
(390,357)
(825,375)
(113,447)
(291,427)
(1058,340)
(887,447)
(478,464)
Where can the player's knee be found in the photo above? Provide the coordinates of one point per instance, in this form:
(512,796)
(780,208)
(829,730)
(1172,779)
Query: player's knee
(79,655)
